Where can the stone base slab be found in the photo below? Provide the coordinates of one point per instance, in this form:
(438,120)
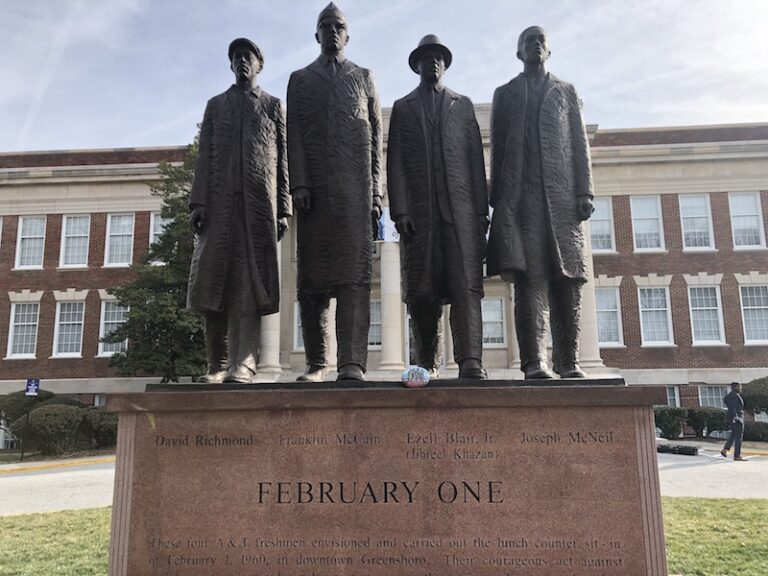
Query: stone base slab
(460,478)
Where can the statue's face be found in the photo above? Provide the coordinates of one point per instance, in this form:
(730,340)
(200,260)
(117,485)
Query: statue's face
(534,48)
(431,65)
(245,64)
(332,35)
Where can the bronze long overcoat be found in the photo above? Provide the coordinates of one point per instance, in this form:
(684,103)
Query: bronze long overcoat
(335,150)
(409,185)
(566,172)
(265,197)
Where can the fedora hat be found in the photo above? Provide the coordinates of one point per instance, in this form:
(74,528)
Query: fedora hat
(430,41)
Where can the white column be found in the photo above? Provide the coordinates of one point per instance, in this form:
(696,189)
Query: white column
(269,348)
(391,308)
(450,362)
(333,347)
(589,349)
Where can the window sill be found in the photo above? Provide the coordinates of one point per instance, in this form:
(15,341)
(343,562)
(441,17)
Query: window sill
(611,345)
(659,345)
(19,357)
(604,252)
(710,345)
(26,268)
(650,251)
(757,343)
(105,355)
(64,356)
(116,266)
(495,346)
(75,268)
(749,248)
(699,250)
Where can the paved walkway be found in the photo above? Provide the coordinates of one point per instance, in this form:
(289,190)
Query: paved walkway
(49,486)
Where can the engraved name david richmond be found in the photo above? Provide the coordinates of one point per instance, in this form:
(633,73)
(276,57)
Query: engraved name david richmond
(188,440)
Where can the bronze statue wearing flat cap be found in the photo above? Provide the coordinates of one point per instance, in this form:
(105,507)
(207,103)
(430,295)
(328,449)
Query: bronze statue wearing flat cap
(541,193)
(335,155)
(240,204)
(439,201)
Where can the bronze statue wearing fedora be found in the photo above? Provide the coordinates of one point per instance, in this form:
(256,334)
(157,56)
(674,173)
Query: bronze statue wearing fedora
(239,206)
(439,202)
(335,155)
(541,193)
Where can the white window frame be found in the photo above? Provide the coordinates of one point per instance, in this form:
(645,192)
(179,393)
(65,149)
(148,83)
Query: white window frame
(62,248)
(503,343)
(620,343)
(297,345)
(724,390)
(711,246)
(102,332)
(675,389)
(11,329)
(761,223)
(381,324)
(57,328)
(612,249)
(108,245)
(748,342)
(153,217)
(670,327)
(662,242)
(695,342)
(17,261)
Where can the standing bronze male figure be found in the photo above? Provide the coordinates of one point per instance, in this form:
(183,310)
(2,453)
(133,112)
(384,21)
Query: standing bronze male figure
(334,157)
(439,201)
(240,207)
(541,193)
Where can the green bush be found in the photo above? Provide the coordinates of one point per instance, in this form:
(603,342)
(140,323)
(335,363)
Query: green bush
(756,431)
(670,420)
(64,401)
(53,428)
(100,427)
(706,418)
(755,395)
(15,405)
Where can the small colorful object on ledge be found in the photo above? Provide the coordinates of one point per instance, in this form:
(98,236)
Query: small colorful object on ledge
(415,377)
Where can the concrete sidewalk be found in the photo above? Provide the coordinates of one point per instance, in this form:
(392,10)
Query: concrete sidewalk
(38,465)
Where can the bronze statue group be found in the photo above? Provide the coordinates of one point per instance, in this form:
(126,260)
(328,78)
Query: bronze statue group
(254,169)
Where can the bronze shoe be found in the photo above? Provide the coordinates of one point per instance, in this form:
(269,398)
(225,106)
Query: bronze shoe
(351,372)
(314,373)
(240,375)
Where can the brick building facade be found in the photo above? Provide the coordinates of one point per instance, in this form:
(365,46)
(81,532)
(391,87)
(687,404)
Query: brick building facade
(680,295)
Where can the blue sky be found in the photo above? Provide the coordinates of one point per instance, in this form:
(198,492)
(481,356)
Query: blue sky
(129,73)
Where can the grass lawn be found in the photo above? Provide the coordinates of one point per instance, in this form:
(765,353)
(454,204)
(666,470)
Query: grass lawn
(705,537)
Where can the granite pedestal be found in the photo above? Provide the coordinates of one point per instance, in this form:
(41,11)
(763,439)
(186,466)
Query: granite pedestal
(460,478)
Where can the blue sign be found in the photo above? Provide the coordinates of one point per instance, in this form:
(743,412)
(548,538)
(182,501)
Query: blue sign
(33,386)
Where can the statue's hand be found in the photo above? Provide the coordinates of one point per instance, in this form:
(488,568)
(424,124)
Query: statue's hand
(301,199)
(198,219)
(375,215)
(282,227)
(584,207)
(405,226)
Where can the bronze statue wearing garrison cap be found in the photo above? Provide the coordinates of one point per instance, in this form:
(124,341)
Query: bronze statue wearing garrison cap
(335,154)
(541,193)
(240,205)
(439,201)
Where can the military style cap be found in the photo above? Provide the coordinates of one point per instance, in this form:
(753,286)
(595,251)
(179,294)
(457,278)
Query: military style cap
(245,42)
(430,41)
(331,10)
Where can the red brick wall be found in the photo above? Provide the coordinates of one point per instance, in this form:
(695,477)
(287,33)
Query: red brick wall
(675,262)
(52,278)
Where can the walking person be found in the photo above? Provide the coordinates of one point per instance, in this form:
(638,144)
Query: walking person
(735,404)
